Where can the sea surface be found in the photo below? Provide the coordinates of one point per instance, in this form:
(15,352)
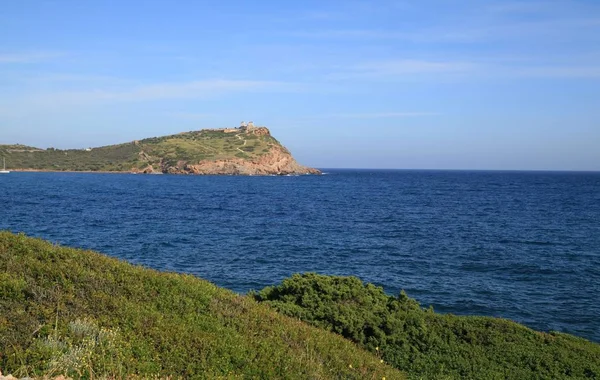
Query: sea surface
(518,245)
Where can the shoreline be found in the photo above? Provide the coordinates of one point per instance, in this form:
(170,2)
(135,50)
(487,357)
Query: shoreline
(74,171)
(155,173)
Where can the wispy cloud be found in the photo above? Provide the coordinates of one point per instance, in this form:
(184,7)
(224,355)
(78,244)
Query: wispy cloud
(509,29)
(515,7)
(469,68)
(411,66)
(160,91)
(402,69)
(323,15)
(68,77)
(554,9)
(437,35)
(191,115)
(28,57)
(352,33)
(586,72)
(379,115)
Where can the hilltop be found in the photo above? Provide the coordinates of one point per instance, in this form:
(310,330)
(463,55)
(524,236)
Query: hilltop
(247,150)
(85,315)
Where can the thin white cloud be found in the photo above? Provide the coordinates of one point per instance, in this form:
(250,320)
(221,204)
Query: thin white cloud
(68,77)
(555,9)
(402,69)
(191,89)
(551,25)
(27,57)
(437,35)
(159,91)
(516,7)
(411,66)
(379,115)
(590,72)
(353,33)
(191,115)
(466,69)
(323,15)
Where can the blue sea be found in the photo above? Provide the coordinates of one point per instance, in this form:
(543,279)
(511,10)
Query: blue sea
(517,245)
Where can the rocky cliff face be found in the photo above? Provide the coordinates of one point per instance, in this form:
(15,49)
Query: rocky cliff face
(277,162)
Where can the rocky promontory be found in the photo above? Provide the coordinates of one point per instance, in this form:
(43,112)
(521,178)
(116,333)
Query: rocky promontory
(246,150)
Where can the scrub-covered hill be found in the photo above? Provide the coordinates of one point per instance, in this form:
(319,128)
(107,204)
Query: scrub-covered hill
(84,315)
(246,150)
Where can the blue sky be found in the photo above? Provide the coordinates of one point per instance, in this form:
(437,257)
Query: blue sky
(362,84)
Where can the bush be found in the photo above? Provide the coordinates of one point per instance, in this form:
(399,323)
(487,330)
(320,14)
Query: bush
(84,315)
(427,344)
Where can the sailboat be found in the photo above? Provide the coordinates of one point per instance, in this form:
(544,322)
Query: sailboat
(4,171)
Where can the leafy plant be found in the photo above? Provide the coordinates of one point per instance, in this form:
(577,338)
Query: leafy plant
(82,314)
(426,344)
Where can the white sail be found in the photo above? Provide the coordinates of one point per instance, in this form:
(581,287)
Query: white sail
(4,171)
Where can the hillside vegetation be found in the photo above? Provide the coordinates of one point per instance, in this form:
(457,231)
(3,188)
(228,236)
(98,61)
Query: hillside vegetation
(429,345)
(82,314)
(156,154)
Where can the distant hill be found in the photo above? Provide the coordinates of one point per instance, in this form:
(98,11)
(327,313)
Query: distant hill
(245,151)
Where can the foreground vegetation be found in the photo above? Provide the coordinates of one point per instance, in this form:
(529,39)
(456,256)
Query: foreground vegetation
(160,153)
(425,344)
(82,314)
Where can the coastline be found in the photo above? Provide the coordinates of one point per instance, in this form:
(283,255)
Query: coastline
(154,173)
(248,150)
(73,171)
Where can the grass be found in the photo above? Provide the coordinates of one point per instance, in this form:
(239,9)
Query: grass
(160,152)
(112,158)
(425,344)
(82,314)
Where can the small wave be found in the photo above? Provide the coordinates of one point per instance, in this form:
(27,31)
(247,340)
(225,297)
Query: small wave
(527,242)
(253,238)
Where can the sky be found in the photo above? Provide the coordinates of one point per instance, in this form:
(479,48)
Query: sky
(434,84)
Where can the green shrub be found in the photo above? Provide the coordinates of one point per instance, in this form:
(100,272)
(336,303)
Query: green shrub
(426,344)
(81,314)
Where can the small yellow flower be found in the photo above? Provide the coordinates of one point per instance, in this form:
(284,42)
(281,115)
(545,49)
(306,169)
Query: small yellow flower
(376,348)
(381,361)
(383,378)
(349,365)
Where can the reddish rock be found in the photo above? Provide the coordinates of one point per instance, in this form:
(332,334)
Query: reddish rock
(277,162)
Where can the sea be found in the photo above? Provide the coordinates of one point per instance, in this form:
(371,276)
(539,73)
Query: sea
(518,245)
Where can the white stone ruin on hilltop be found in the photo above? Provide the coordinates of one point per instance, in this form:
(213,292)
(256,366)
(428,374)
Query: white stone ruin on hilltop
(244,125)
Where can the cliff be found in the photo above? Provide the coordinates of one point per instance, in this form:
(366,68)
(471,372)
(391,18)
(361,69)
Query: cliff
(228,151)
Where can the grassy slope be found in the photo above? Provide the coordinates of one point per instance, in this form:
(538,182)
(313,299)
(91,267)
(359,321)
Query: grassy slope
(425,344)
(168,150)
(68,311)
